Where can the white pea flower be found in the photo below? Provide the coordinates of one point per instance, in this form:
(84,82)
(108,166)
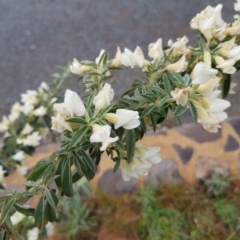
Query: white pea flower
(16,218)
(232,86)
(104,97)
(15,111)
(19,156)
(32,234)
(27,108)
(49,228)
(155,50)
(78,68)
(53,100)
(179,47)
(44,86)
(102,134)
(181,96)
(23,170)
(59,123)
(27,129)
(30,97)
(2,172)
(237,6)
(128,119)
(141,163)
(32,139)
(97,60)
(207,58)
(133,59)
(209,22)
(72,105)
(179,66)
(116,62)
(206,89)
(202,73)
(227,66)
(4,124)
(41,111)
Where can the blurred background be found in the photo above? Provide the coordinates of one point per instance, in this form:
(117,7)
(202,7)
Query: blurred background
(36,36)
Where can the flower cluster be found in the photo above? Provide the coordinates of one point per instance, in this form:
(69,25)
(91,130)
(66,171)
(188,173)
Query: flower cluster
(177,78)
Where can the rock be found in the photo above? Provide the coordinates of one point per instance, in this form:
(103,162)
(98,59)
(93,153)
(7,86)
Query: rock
(184,153)
(113,183)
(164,172)
(231,144)
(206,167)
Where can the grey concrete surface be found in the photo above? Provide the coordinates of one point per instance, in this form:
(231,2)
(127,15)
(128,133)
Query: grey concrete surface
(35,36)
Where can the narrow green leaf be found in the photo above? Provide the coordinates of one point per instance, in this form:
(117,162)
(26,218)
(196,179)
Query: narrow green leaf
(153,121)
(67,187)
(76,162)
(49,213)
(48,122)
(116,167)
(194,112)
(105,110)
(162,101)
(226,83)
(24,210)
(147,110)
(49,198)
(130,144)
(6,208)
(179,110)
(78,121)
(77,137)
(166,83)
(90,100)
(38,170)
(89,161)
(39,214)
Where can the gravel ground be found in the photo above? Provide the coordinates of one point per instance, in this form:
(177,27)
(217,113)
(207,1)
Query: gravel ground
(36,36)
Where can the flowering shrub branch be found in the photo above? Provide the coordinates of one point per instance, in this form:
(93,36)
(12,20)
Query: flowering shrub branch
(177,78)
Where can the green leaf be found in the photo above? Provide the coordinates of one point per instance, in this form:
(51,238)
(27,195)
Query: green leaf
(179,110)
(143,125)
(105,110)
(77,137)
(24,210)
(116,167)
(66,175)
(153,121)
(48,121)
(6,208)
(178,78)
(76,162)
(77,158)
(147,110)
(89,161)
(162,101)
(226,83)
(130,144)
(38,171)
(39,214)
(194,112)
(187,80)
(166,83)
(148,98)
(49,198)
(90,101)
(78,121)
(49,213)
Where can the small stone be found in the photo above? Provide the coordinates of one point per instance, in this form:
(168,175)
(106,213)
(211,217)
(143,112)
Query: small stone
(231,144)
(113,183)
(164,172)
(184,153)
(206,167)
